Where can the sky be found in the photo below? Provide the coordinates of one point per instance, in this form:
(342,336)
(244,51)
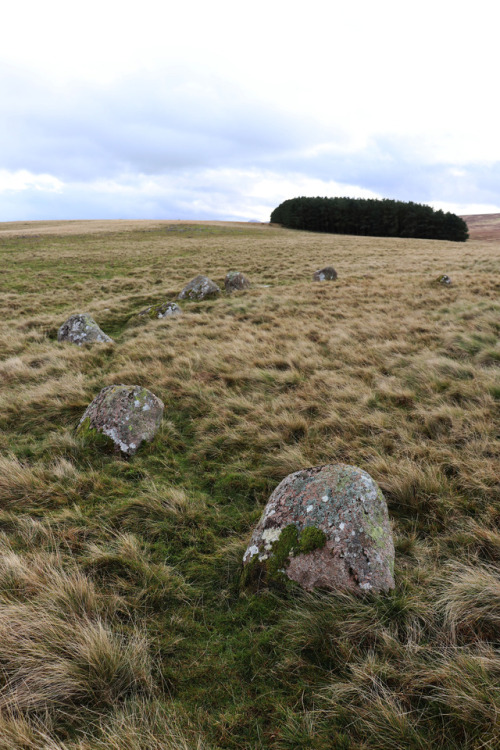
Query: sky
(220,110)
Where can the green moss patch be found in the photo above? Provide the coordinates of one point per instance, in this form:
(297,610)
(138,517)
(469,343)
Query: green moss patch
(93,438)
(290,543)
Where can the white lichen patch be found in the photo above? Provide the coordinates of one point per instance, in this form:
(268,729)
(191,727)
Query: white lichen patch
(113,434)
(269,512)
(269,536)
(251,551)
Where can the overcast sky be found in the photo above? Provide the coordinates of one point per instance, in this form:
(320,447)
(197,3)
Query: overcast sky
(212,110)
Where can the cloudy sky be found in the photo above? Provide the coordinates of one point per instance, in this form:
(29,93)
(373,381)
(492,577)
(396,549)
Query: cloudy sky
(198,110)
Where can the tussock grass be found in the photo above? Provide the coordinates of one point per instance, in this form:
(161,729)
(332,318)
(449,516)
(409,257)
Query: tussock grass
(122,622)
(62,645)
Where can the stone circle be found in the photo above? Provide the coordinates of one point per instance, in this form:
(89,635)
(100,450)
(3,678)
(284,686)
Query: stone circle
(325,274)
(324,527)
(82,329)
(201,287)
(235,281)
(162,310)
(127,414)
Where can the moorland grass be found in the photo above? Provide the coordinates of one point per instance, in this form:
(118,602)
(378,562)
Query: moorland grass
(123,623)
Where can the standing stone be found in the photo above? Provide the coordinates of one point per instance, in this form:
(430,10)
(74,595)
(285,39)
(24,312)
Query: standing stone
(163,310)
(444,279)
(201,287)
(128,414)
(325,274)
(325,527)
(235,281)
(82,329)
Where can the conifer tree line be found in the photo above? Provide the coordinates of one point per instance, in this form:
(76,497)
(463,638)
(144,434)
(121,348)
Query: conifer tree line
(370,217)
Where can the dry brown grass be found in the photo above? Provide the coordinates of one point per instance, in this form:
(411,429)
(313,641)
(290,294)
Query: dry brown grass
(25,229)
(383,368)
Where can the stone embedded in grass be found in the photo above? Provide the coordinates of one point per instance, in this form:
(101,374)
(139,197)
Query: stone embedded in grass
(325,274)
(235,281)
(201,287)
(82,329)
(128,414)
(162,310)
(444,279)
(325,527)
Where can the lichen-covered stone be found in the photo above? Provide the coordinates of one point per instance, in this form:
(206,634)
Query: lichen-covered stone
(201,287)
(162,310)
(325,274)
(235,281)
(326,527)
(82,329)
(444,279)
(127,414)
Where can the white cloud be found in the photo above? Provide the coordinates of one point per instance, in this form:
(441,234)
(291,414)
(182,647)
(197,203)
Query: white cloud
(22,179)
(467,209)
(216,107)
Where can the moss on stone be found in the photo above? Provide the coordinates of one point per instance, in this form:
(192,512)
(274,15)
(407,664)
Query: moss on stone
(289,544)
(251,572)
(282,549)
(310,539)
(90,436)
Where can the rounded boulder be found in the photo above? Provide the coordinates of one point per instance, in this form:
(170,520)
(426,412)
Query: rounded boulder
(82,329)
(127,414)
(201,287)
(235,281)
(324,527)
(325,274)
(162,310)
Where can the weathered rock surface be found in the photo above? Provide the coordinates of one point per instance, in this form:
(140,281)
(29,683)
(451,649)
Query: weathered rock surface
(444,279)
(235,281)
(82,329)
(163,310)
(325,274)
(325,527)
(201,287)
(128,414)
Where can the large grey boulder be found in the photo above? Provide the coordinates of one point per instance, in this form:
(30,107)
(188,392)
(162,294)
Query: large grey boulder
(235,281)
(128,414)
(162,310)
(82,329)
(324,527)
(325,274)
(201,287)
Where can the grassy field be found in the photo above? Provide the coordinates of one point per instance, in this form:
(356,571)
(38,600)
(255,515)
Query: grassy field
(122,621)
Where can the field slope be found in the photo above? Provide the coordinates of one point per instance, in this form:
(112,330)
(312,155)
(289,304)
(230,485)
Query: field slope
(483,226)
(122,621)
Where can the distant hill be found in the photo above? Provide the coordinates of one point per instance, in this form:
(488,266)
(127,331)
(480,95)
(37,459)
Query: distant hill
(483,226)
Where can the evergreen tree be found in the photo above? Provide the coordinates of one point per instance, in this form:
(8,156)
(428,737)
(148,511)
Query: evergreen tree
(370,217)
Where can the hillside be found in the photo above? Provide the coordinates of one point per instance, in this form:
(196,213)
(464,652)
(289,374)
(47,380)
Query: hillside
(483,226)
(124,624)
